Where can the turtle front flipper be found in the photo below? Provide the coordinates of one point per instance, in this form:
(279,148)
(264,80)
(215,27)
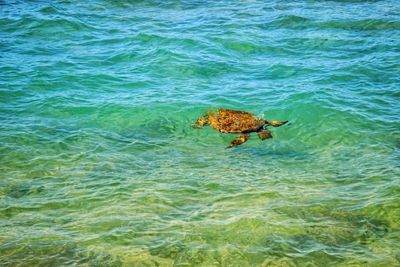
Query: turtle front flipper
(277,123)
(265,134)
(239,140)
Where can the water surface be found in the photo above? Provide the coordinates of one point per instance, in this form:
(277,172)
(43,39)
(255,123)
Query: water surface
(100,166)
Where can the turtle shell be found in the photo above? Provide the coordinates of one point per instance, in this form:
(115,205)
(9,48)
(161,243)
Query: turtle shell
(234,121)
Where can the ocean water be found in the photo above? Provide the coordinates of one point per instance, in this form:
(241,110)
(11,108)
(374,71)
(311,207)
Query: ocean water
(99,164)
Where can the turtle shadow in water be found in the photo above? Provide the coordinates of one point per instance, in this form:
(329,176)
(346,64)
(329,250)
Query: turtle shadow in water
(279,154)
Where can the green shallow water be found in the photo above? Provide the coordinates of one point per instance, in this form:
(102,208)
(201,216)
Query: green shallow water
(100,166)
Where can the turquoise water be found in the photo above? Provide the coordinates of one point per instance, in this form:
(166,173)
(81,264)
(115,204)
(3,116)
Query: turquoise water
(100,165)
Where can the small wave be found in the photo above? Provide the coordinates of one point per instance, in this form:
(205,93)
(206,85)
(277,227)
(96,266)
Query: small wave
(288,22)
(361,25)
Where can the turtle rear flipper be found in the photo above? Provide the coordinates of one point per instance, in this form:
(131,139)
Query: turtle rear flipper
(239,140)
(277,123)
(200,122)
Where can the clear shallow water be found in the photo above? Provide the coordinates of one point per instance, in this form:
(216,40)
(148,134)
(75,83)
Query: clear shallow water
(100,167)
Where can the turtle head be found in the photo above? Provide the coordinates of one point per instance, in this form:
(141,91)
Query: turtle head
(277,123)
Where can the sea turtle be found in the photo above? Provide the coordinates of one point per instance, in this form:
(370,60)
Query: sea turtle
(235,121)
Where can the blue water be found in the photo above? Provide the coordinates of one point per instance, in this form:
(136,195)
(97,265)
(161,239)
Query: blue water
(99,164)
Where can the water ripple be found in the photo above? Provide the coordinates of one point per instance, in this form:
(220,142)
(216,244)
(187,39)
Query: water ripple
(100,164)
